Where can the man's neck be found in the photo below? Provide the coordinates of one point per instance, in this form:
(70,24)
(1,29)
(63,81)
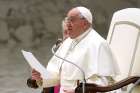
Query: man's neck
(82,35)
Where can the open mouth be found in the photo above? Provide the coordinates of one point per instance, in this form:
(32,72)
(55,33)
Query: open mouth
(70,29)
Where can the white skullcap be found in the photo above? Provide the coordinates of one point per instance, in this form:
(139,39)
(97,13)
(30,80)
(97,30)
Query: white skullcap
(85,13)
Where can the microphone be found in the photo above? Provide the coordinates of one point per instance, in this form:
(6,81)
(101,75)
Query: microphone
(65,60)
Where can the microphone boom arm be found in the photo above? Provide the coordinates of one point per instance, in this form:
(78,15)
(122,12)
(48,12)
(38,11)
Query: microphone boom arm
(83,73)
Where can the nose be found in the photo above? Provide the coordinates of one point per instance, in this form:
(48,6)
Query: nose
(69,25)
(67,21)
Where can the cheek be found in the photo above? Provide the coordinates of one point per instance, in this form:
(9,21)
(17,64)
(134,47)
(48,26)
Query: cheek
(77,26)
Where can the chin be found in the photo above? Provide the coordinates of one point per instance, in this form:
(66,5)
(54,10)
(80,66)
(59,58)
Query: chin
(72,37)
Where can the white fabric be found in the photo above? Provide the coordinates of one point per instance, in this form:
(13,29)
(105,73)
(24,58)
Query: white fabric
(86,13)
(91,53)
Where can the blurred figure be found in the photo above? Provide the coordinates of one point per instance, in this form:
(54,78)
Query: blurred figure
(65,30)
(65,36)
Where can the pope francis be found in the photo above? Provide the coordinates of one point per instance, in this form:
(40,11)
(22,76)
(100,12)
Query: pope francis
(85,48)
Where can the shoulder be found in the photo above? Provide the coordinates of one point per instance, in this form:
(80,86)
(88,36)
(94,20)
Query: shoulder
(95,39)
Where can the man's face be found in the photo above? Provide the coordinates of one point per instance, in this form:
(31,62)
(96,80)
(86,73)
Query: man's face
(75,23)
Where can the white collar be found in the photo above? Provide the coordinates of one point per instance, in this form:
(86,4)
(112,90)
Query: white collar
(80,37)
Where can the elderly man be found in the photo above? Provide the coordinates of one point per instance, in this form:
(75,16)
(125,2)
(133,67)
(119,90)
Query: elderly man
(85,48)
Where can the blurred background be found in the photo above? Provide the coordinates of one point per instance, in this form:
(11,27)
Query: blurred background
(35,25)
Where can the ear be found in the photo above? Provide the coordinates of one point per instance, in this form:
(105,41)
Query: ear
(85,24)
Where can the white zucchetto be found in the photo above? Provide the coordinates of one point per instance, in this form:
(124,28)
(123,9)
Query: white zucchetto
(86,13)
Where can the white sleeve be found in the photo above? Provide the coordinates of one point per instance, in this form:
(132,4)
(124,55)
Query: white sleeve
(53,70)
(52,81)
(107,62)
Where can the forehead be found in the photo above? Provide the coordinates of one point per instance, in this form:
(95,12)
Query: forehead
(73,12)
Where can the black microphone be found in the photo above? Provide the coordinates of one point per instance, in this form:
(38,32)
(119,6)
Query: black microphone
(65,60)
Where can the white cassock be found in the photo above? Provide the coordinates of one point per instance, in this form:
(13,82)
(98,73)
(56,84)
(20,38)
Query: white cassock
(91,53)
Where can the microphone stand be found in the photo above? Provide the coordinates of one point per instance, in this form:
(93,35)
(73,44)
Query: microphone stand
(83,73)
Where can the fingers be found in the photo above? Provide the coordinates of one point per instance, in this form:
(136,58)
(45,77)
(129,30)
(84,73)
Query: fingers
(34,71)
(36,75)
